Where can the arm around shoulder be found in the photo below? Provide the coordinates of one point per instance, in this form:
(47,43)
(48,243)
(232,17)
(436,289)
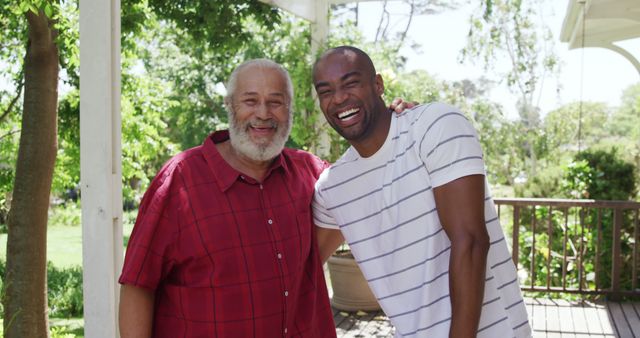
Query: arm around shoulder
(136,312)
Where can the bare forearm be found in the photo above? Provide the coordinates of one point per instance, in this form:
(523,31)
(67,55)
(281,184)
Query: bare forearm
(466,282)
(136,312)
(328,241)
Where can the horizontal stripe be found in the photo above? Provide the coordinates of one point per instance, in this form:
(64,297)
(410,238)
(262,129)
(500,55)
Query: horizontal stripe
(385,208)
(456,161)
(402,247)
(507,284)
(497,241)
(447,141)
(426,328)
(400,133)
(412,266)
(493,324)
(391,229)
(514,304)
(421,307)
(350,178)
(440,118)
(368,171)
(521,325)
(415,288)
(449,114)
(501,262)
(490,301)
(376,190)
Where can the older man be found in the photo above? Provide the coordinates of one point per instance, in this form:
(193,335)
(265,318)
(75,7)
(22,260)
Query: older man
(410,198)
(224,245)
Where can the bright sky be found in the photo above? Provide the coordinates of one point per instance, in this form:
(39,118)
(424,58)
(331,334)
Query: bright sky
(442,36)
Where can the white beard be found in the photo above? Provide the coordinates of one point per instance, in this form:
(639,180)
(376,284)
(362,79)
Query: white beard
(262,150)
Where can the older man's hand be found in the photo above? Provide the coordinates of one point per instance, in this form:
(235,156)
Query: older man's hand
(399,105)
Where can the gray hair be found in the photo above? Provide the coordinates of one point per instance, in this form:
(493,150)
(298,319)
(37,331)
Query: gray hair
(262,63)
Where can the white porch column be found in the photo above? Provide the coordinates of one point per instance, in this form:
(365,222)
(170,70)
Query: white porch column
(100,164)
(319,34)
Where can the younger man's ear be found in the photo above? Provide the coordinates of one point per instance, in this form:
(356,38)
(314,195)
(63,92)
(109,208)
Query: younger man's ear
(379,85)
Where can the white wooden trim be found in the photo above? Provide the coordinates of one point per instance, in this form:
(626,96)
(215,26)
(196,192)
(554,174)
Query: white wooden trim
(603,23)
(100,164)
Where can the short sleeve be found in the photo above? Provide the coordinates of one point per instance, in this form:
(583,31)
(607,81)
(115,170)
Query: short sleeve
(321,216)
(448,144)
(147,258)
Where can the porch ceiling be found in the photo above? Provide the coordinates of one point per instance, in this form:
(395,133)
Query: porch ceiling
(603,23)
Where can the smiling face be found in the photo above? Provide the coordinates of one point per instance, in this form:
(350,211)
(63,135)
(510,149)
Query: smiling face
(259,114)
(349,93)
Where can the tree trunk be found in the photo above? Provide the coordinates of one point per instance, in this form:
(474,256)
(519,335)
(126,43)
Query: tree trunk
(25,300)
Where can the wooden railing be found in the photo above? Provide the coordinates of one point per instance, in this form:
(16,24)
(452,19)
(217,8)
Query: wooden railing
(574,246)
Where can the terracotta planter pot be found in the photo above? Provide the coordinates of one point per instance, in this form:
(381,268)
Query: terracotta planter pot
(350,290)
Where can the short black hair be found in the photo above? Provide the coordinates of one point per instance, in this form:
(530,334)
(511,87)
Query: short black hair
(368,64)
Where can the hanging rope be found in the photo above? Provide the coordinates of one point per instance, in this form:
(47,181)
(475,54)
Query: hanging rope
(584,19)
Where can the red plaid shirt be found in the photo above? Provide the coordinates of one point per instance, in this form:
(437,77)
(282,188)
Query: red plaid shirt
(228,256)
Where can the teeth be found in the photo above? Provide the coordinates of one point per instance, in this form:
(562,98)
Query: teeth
(346,113)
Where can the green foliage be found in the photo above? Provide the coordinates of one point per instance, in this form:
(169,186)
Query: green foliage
(219,24)
(577,234)
(67,168)
(67,215)
(507,27)
(578,179)
(64,290)
(561,126)
(605,175)
(61,332)
(580,233)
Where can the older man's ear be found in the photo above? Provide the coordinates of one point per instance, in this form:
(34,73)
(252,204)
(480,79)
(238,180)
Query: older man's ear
(399,105)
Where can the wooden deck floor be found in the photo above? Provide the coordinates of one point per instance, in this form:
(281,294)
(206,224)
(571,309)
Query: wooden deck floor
(549,319)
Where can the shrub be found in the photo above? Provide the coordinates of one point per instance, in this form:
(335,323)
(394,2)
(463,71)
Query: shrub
(64,292)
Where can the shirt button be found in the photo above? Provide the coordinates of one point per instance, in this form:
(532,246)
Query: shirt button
(242,177)
(270,221)
(279,256)
(285,330)
(260,186)
(286,293)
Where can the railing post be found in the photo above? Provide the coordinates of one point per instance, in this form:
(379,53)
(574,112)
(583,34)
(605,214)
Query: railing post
(515,236)
(615,256)
(533,246)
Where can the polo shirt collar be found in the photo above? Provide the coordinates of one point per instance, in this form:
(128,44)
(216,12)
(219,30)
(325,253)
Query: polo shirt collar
(224,173)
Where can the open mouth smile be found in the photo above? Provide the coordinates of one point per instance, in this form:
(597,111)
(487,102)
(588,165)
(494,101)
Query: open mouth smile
(348,114)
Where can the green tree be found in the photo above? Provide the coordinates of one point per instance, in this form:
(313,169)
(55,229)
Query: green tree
(624,127)
(506,29)
(563,125)
(37,28)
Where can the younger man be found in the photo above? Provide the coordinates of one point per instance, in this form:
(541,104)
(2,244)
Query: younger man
(410,198)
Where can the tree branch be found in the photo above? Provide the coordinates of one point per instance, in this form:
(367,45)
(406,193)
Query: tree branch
(384,10)
(403,36)
(6,112)
(10,133)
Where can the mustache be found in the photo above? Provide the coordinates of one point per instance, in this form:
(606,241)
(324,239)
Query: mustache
(262,123)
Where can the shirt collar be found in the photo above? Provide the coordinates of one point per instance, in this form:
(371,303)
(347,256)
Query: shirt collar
(224,173)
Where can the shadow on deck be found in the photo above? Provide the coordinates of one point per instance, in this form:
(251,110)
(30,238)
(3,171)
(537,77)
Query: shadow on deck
(548,317)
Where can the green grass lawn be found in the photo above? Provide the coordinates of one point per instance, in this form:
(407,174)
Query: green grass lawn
(64,250)
(64,243)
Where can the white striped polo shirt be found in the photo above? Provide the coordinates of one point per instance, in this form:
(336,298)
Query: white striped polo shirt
(384,206)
